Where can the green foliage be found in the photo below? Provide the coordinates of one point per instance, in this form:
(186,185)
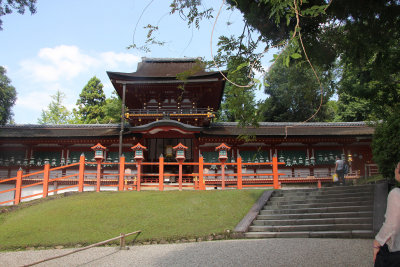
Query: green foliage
(86,218)
(238,103)
(7,7)
(294,94)
(56,112)
(112,109)
(386,144)
(188,9)
(350,108)
(91,102)
(8,96)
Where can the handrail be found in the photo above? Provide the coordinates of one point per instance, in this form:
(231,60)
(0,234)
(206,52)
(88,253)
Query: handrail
(122,245)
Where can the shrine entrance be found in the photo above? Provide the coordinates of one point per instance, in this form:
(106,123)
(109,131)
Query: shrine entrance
(163,146)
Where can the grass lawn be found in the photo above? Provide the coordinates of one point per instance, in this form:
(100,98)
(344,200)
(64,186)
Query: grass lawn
(90,217)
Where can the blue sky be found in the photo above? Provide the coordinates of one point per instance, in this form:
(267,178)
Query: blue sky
(66,43)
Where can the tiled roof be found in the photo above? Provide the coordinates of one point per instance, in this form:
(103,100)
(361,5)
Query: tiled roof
(218,128)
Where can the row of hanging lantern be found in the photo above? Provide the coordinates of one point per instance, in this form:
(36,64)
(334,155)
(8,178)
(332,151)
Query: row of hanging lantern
(311,161)
(32,162)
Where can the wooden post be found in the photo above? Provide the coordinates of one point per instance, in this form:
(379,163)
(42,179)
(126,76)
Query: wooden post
(122,241)
(275,172)
(81,172)
(46,175)
(98,175)
(121,173)
(223,175)
(202,185)
(180,175)
(239,173)
(18,184)
(161,173)
(138,174)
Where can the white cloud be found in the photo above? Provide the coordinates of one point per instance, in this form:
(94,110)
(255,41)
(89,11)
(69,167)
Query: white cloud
(65,68)
(58,63)
(114,60)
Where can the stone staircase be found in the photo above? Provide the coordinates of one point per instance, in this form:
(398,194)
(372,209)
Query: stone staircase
(331,212)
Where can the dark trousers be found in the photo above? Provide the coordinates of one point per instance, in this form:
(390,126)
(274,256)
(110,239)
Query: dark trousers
(340,174)
(386,258)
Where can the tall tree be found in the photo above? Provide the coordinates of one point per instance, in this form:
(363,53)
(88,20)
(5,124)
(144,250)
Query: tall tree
(294,94)
(112,109)
(56,112)
(386,143)
(91,102)
(7,6)
(8,96)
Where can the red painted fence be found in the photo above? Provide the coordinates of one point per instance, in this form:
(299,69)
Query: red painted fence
(223,175)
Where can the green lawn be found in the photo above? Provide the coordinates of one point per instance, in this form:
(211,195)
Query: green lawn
(87,218)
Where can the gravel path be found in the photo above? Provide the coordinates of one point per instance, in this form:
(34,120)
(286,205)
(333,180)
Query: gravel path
(249,252)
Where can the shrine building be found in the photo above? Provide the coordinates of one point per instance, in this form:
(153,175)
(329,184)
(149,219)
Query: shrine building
(163,112)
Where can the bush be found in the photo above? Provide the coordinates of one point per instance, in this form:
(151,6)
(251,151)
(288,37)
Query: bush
(386,144)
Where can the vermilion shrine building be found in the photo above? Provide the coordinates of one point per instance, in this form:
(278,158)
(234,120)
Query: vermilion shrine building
(163,111)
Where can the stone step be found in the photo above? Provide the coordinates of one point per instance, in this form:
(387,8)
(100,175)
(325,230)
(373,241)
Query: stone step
(316,210)
(319,205)
(357,188)
(314,227)
(305,196)
(355,214)
(320,193)
(313,234)
(283,201)
(319,221)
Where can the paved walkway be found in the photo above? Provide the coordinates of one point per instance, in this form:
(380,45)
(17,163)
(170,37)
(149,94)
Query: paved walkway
(257,252)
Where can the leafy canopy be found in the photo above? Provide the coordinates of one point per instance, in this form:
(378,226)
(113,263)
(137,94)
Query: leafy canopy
(91,102)
(56,112)
(8,96)
(7,7)
(295,95)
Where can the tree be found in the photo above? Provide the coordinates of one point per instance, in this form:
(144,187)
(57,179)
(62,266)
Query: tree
(350,108)
(112,109)
(7,7)
(8,96)
(56,112)
(386,143)
(91,102)
(295,95)
(238,103)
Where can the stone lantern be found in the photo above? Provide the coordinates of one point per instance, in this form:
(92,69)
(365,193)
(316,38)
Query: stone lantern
(139,157)
(222,157)
(180,152)
(99,157)
(180,157)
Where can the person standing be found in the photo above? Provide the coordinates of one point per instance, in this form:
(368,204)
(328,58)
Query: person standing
(339,170)
(387,241)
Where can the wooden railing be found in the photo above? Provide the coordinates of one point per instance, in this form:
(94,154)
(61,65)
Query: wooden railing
(122,245)
(202,175)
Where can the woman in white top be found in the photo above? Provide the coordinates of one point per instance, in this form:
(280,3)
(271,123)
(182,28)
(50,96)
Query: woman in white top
(387,241)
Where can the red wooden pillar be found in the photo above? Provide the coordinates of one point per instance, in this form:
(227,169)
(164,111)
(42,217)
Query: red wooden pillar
(202,185)
(180,174)
(223,175)
(46,175)
(161,173)
(18,184)
(275,172)
(239,173)
(121,173)
(139,170)
(98,175)
(81,173)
